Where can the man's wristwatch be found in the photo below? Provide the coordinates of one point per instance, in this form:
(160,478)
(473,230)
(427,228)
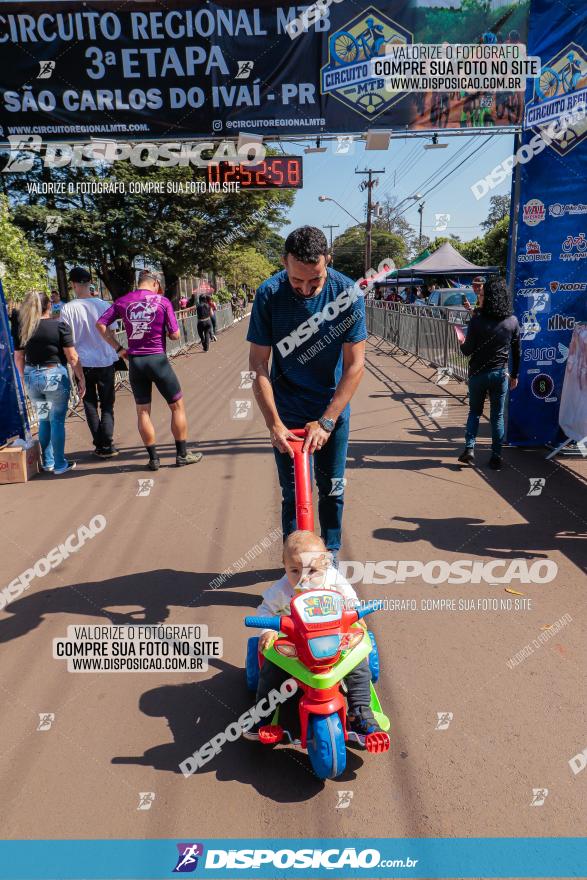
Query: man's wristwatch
(327,424)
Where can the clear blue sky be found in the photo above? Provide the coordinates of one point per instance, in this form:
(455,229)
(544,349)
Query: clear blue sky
(407,167)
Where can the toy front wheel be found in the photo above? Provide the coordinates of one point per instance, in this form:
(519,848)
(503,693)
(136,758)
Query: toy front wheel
(374,659)
(252,664)
(326,745)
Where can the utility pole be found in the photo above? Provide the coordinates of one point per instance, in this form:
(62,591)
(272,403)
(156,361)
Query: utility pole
(368,185)
(331,226)
(421,213)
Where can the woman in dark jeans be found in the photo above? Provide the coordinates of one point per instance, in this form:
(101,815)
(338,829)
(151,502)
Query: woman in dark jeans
(213,307)
(42,347)
(204,321)
(492,333)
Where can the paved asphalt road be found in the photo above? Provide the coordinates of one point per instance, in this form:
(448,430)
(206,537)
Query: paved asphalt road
(116,735)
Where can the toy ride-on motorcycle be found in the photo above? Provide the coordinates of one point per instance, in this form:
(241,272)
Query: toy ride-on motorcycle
(319,643)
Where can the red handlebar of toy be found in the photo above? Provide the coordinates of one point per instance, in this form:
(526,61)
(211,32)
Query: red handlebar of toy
(302,482)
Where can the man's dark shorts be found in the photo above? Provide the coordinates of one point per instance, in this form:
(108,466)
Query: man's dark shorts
(153,369)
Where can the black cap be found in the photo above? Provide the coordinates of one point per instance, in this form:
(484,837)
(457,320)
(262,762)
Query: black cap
(80,275)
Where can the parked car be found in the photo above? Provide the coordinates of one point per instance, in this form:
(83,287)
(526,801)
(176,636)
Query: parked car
(453,298)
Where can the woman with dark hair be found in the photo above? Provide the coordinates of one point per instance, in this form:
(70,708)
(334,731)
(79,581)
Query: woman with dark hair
(492,333)
(204,313)
(212,305)
(42,348)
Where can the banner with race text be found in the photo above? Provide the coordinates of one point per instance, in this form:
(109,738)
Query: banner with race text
(550,262)
(166,70)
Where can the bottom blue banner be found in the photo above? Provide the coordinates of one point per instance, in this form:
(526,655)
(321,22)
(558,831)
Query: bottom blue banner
(365,857)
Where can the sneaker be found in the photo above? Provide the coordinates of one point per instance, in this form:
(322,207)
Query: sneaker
(153,464)
(467,457)
(48,470)
(495,462)
(364,730)
(190,458)
(252,735)
(69,466)
(107,451)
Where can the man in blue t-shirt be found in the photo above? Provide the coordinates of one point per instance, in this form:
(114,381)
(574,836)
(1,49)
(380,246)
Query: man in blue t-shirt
(312,320)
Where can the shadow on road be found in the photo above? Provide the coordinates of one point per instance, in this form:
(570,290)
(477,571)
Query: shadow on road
(198,711)
(152,592)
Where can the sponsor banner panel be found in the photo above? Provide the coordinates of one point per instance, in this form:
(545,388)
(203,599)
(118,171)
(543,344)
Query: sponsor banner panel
(13,421)
(550,263)
(261,858)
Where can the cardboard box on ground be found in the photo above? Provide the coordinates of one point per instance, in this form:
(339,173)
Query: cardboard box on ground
(19,461)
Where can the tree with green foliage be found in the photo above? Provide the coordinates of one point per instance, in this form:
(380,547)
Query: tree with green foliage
(245,266)
(180,230)
(393,220)
(349,250)
(474,251)
(21,266)
(271,245)
(496,244)
(499,207)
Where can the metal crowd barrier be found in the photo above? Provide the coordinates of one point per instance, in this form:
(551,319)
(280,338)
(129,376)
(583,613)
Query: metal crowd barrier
(426,332)
(188,338)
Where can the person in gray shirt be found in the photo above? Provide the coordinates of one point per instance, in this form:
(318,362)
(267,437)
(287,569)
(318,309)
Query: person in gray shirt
(98,360)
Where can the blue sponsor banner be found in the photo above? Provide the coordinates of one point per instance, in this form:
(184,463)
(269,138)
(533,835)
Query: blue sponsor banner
(12,418)
(550,264)
(534,857)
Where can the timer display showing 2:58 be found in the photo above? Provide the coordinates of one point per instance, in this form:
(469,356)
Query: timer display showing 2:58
(274,172)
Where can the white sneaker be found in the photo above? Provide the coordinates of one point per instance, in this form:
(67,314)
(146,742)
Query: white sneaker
(68,467)
(251,735)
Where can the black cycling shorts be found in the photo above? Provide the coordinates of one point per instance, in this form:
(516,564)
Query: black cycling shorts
(152,369)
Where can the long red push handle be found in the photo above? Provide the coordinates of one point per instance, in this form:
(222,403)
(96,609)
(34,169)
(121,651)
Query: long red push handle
(302,482)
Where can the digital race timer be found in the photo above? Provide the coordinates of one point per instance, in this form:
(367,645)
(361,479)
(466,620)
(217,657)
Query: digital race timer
(275,172)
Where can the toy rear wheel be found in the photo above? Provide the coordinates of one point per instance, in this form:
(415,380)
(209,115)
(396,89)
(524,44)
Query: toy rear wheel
(252,663)
(326,745)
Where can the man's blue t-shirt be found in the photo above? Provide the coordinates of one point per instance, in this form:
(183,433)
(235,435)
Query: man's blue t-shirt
(306,336)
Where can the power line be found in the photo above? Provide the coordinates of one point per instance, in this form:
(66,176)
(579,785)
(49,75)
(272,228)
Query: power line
(452,171)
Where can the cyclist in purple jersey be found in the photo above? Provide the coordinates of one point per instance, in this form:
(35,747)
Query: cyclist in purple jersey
(148,318)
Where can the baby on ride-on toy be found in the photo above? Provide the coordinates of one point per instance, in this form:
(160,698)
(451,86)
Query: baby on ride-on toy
(308,567)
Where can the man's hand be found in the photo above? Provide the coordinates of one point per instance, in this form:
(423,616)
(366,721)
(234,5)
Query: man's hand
(81,388)
(316,437)
(279,437)
(266,640)
(123,354)
(513,383)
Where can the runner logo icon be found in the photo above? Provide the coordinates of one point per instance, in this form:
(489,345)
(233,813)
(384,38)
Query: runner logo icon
(187,860)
